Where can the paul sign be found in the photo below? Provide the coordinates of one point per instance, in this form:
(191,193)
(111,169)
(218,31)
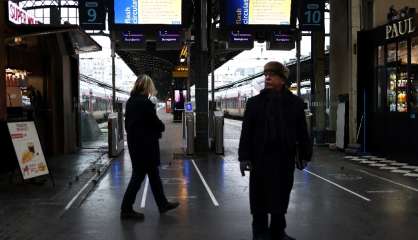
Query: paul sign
(400,28)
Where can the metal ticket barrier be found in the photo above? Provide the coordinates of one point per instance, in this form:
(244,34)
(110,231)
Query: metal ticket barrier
(189,118)
(116,133)
(308,116)
(218,117)
(188,127)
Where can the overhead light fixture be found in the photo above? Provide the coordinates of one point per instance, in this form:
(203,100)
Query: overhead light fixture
(18,40)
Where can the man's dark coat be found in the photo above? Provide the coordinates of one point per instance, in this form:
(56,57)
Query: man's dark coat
(274,126)
(143,128)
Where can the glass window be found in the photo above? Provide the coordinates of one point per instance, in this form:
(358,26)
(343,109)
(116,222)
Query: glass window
(403,52)
(414,90)
(39,13)
(381,76)
(397,90)
(414,50)
(401,92)
(72,12)
(391,57)
(380,56)
(64,12)
(32,13)
(391,89)
(46,12)
(414,75)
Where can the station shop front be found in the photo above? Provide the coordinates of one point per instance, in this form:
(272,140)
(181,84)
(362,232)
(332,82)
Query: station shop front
(40,70)
(388,89)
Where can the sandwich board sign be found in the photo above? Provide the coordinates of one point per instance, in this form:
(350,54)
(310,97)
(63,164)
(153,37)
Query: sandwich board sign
(28,149)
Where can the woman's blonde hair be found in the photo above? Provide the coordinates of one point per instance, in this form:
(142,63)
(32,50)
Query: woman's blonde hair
(144,85)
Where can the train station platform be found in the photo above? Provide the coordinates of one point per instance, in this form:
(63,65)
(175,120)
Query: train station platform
(336,197)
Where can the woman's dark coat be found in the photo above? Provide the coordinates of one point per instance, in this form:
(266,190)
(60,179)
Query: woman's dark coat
(143,128)
(274,127)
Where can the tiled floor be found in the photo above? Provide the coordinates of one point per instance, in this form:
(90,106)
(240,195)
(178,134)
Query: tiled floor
(386,164)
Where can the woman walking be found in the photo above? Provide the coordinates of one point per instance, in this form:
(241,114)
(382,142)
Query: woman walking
(144,129)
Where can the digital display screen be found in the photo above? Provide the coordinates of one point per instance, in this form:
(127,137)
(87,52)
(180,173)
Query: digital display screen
(240,40)
(257,12)
(281,40)
(240,37)
(282,37)
(168,36)
(147,12)
(132,37)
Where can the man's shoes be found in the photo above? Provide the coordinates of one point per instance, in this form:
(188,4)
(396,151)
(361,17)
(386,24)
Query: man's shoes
(132,215)
(263,236)
(169,206)
(287,237)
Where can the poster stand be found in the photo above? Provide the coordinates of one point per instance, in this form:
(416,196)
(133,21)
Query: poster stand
(23,137)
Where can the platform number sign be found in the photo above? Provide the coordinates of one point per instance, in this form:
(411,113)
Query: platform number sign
(92,14)
(311,15)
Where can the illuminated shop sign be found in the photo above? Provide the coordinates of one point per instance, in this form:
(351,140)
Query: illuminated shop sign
(400,28)
(147,12)
(257,12)
(19,16)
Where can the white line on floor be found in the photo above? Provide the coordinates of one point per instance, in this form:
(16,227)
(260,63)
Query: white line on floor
(79,192)
(144,193)
(381,191)
(206,185)
(339,186)
(388,180)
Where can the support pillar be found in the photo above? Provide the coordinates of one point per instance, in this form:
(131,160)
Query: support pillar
(354,27)
(3,105)
(318,85)
(339,66)
(298,39)
(199,63)
(113,55)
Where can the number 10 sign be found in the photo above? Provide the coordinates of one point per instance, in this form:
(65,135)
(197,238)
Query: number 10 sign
(311,15)
(92,14)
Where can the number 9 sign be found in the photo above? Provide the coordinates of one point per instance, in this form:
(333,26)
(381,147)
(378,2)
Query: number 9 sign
(92,14)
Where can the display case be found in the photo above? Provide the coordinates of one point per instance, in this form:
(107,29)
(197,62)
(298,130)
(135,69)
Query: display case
(14,82)
(392,71)
(414,76)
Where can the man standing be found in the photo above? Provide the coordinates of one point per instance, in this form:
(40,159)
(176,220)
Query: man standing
(273,131)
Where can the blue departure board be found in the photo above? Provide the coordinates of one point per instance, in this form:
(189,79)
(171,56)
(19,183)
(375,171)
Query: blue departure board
(257,12)
(148,12)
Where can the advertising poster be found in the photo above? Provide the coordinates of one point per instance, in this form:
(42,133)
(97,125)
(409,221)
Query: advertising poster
(148,12)
(258,12)
(28,149)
